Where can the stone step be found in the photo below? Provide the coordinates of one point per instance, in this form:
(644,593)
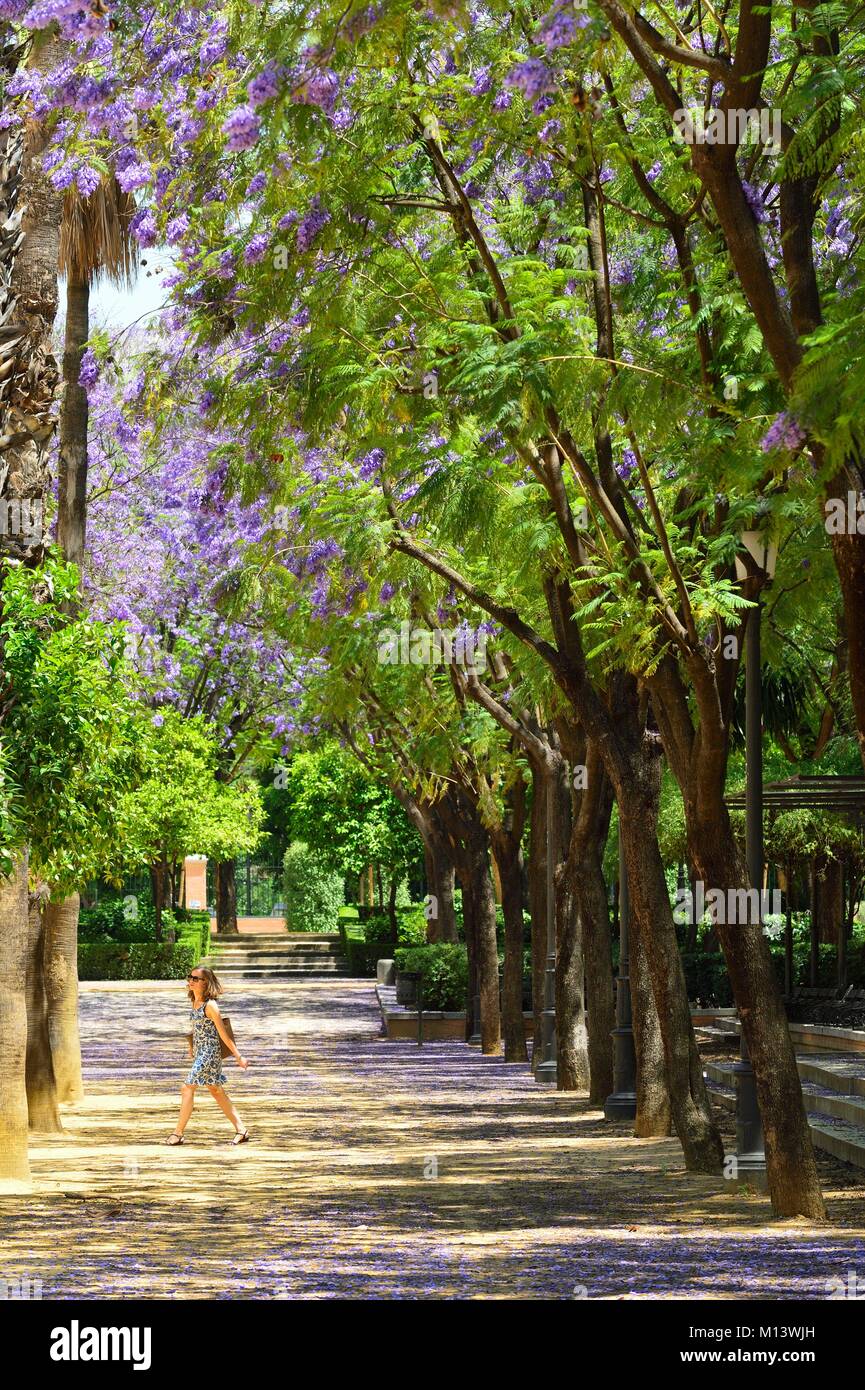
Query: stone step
(250,940)
(837,1120)
(255,957)
(308,968)
(285,972)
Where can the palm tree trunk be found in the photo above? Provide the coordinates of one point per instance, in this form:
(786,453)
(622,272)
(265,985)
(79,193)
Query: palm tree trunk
(72,468)
(14,1163)
(41,1087)
(61,991)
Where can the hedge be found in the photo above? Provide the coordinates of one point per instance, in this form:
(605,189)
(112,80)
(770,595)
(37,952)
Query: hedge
(314,893)
(444,971)
(134,960)
(361,955)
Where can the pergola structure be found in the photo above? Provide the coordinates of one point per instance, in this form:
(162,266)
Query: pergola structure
(838,795)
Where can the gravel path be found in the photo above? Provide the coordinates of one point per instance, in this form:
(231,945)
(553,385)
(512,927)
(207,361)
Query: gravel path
(377,1170)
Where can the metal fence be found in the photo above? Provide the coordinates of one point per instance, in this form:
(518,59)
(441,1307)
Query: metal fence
(259,888)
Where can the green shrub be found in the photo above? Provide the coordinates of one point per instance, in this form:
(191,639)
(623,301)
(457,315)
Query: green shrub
(707,980)
(444,971)
(410,927)
(362,956)
(314,893)
(135,960)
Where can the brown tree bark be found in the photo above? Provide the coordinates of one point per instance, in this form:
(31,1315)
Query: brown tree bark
(537,875)
(72,466)
(61,991)
(572,1038)
(654,1112)
(225,891)
(508,858)
(14,1162)
(588,838)
(42,1107)
(483,904)
(830,900)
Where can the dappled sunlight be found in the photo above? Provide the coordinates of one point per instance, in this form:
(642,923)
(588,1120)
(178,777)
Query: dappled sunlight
(376,1169)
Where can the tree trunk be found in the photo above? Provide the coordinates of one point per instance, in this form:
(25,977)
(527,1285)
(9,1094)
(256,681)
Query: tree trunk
(61,988)
(791,1167)
(655,930)
(537,874)
(225,887)
(42,1108)
(470,932)
(442,926)
(590,828)
(156,894)
(484,933)
(572,1043)
(72,464)
(14,1163)
(654,1115)
(508,859)
(830,901)
(391,903)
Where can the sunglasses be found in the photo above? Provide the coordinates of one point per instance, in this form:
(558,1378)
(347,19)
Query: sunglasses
(196,977)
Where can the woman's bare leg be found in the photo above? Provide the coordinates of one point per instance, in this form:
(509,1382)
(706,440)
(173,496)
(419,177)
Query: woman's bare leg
(220,1095)
(187,1100)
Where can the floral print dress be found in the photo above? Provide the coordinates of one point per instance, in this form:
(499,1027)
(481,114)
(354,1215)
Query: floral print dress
(206,1069)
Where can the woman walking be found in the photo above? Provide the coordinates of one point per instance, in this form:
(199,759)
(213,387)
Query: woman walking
(206,1070)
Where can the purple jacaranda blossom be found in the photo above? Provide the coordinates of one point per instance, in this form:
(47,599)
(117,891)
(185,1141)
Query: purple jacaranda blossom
(387,592)
(628,464)
(257,184)
(134,176)
(784,433)
(142,225)
(320,88)
(88,372)
(177,229)
(242,128)
(87,180)
(265,86)
(482,83)
(64,177)
(158,720)
(227,267)
(532,77)
(755,201)
(371,464)
(133,390)
(311,224)
(357,25)
(622,272)
(256,249)
(560,25)
(501,101)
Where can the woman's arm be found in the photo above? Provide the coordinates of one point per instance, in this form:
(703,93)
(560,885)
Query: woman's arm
(216,1019)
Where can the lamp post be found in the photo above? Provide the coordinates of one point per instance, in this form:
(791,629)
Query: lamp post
(622,1104)
(546,1071)
(750,1157)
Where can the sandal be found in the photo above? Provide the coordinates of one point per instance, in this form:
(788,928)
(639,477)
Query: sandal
(173,1140)
(240,1138)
